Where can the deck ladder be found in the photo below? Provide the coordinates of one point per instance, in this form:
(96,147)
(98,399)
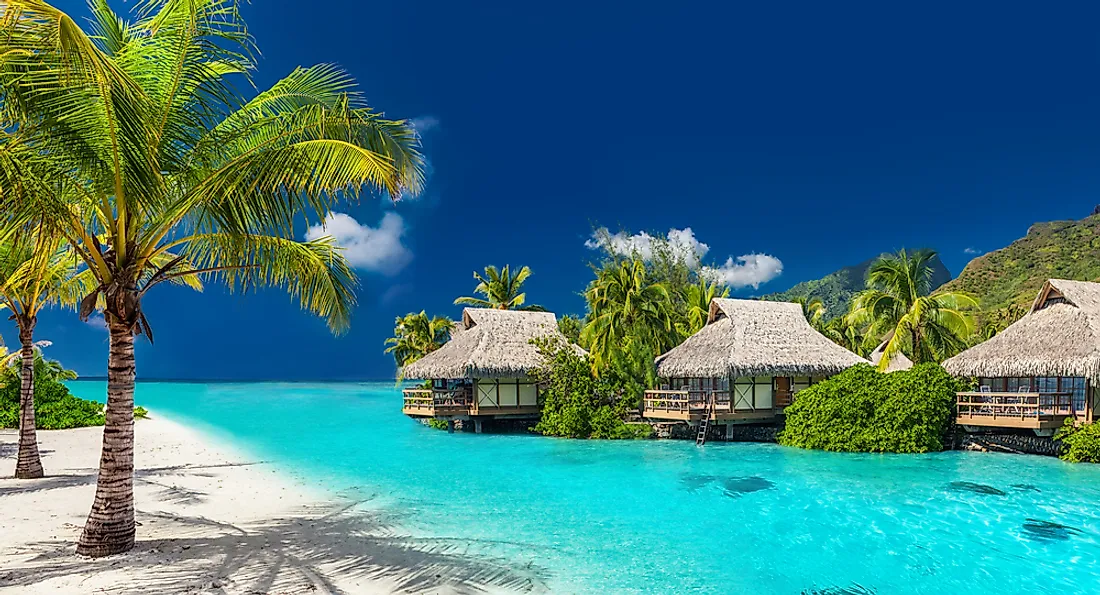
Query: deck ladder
(704,424)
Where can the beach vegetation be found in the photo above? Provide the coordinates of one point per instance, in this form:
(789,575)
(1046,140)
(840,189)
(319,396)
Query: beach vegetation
(1080,443)
(416,335)
(697,299)
(37,270)
(625,302)
(577,403)
(898,303)
(570,326)
(132,142)
(864,410)
(501,289)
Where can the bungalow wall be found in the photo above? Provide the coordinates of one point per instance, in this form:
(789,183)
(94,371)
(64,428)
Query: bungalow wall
(746,393)
(1081,390)
(495,393)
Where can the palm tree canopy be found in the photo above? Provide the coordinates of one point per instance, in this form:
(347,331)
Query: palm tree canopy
(813,309)
(698,297)
(622,303)
(131,143)
(925,327)
(37,270)
(416,335)
(501,289)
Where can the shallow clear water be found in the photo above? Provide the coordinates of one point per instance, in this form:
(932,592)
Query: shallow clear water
(666,516)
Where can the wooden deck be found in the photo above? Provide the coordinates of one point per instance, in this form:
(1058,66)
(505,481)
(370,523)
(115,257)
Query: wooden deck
(458,404)
(693,406)
(1030,411)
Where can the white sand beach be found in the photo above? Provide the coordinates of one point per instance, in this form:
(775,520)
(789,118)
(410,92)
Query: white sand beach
(212,521)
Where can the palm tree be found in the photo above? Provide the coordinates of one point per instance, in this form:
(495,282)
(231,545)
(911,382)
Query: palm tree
(813,309)
(501,290)
(415,335)
(926,327)
(623,303)
(841,331)
(697,298)
(35,271)
(133,144)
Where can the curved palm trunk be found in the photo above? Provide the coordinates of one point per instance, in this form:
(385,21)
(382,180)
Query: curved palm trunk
(110,526)
(28,465)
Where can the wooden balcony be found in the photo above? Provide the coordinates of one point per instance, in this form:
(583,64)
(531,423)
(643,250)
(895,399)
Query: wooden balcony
(436,402)
(1031,411)
(694,405)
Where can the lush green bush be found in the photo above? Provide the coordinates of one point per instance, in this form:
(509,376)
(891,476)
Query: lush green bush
(1081,444)
(577,404)
(863,410)
(55,408)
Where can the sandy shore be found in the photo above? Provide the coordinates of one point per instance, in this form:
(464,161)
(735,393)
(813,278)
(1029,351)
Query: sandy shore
(213,521)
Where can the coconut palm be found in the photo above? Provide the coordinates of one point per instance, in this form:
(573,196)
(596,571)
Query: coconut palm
(501,290)
(622,303)
(926,327)
(843,332)
(813,309)
(36,270)
(132,143)
(697,298)
(416,335)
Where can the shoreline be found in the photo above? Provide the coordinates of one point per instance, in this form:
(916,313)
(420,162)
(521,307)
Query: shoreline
(211,519)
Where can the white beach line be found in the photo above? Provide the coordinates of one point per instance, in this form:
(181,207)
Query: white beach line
(215,519)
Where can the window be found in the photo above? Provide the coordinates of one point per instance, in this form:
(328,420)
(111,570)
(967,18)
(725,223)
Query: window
(1076,388)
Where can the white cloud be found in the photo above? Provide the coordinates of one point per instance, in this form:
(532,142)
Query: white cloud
(971,250)
(682,242)
(424,124)
(745,271)
(377,249)
(97,322)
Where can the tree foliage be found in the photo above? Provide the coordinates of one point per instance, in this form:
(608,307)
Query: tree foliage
(1081,444)
(864,410)
(576,403)
(416,335)
(925,327)
(501,289)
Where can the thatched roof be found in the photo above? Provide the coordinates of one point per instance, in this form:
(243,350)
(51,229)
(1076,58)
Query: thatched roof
(1060,336)
(898,362)
(756,338)
(489,344)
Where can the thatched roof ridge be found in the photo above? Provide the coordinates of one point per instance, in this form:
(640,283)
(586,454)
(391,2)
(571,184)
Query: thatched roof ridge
(755,338)
(1060,336)
(897,363)
(489,344)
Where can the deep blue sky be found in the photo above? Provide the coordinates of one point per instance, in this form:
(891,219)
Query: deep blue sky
(819,134)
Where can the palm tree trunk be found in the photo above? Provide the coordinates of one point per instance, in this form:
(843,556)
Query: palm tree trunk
(28,465)
(110,526)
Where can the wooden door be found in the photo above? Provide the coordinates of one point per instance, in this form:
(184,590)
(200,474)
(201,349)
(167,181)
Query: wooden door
(782,391)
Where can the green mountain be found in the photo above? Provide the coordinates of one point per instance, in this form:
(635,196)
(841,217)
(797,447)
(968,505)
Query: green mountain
(1014,274)
(836,289)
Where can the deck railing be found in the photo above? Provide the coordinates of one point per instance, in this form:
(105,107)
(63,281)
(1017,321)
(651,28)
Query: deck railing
(1014,405)
(437,398)
(686,400)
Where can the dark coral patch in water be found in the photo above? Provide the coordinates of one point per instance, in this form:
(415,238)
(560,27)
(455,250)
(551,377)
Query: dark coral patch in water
(735,486)
(855,589)
(1048,531)
(1025,487)
(975,488)
(693,482)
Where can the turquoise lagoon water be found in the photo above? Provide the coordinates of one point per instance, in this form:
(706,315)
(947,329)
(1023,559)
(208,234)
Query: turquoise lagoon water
(666,516)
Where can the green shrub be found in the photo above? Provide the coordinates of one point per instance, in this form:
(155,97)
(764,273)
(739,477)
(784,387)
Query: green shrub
(1081,444)
(864,410)
(437,424)
(55,408)
(577,404)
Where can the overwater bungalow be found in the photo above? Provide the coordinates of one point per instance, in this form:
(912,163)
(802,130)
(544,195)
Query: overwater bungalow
(745,365)
(483,372)
(1039,371)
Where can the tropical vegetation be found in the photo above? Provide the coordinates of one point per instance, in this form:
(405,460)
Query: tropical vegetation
(501,289)
(864,410)
(132,143)
(416,335)
(900,307)
(36,270)
(1080,444)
